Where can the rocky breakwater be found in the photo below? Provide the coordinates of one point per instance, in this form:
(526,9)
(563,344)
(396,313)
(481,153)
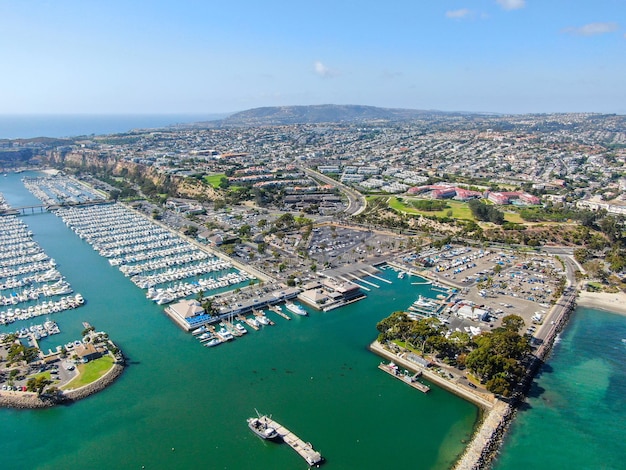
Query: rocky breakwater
(25,400)
(31,400)
(94,387)
(487,439)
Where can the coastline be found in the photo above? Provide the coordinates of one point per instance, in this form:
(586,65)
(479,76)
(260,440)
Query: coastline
(493,424)
(611,302)
(30,400)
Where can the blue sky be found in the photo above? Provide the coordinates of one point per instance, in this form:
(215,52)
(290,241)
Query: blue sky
(510,56)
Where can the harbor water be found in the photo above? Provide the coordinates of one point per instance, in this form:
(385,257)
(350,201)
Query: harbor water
(576,412)
(180,405)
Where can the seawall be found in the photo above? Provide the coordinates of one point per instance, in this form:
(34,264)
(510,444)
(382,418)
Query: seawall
(25,400)
(488,438)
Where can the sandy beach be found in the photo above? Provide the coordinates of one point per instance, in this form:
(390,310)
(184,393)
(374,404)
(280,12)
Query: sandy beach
(612,302)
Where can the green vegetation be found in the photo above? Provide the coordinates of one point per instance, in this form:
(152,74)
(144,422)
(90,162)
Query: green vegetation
(429,205)
(494,357)
(38,383)
(18,352)
(459,209)
(215,180)
(91,371)
(486,213)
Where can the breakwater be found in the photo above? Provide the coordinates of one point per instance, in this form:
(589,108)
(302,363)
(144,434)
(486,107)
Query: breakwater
(488,437)
(94,387)
(11,399)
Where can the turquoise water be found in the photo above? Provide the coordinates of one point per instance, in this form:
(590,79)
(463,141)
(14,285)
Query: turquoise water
(180,405)
(576,414)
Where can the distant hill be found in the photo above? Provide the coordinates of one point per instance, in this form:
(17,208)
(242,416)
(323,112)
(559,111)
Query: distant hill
(277,115)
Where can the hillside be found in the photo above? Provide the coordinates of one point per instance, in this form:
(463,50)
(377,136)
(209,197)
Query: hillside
(278,115)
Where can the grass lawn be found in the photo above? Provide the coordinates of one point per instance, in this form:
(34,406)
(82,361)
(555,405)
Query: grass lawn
(214,180)
(514,217)
(91,371)
(45,374)
(460,210)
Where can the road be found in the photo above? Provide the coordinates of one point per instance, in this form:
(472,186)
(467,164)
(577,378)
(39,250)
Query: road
(356,201)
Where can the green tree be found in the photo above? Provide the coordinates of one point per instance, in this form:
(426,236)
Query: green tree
(513,323)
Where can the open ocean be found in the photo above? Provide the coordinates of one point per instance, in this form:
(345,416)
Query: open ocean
(24,126)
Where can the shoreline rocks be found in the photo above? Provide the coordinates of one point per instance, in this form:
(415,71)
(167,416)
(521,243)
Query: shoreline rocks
(30,400)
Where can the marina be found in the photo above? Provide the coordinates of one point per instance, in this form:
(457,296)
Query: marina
(30,284)
(277,365)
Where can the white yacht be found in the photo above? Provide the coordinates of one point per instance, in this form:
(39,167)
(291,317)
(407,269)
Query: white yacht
(296,309)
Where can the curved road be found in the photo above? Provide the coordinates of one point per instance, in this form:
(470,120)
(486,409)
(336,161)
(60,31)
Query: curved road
(356,201)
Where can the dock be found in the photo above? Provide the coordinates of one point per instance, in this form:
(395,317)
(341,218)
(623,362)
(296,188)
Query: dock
(276,309)
(262,314)
(304,449)
(375,277)
(248,322)
(231,328)
(411,380)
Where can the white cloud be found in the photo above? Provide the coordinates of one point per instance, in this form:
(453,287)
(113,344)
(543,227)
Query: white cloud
(456,14)
(323,71)
(593,29)
(512,4)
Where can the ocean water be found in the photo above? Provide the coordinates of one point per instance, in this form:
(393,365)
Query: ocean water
(180,405)
(70,125)
(576,411)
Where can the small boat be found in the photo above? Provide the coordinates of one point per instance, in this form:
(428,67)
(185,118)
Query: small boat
(213,342)
(241,328)
(260,427)
(296,309)
(263,320)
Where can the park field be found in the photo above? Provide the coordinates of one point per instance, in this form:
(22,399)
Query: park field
(91,371)
(454,210)
(214,180)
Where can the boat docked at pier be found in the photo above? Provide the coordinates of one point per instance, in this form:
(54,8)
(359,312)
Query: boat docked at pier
(297,309)
(264,425)
(260,426)
(423,302)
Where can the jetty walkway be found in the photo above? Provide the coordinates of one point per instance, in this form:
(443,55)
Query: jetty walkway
(305,449)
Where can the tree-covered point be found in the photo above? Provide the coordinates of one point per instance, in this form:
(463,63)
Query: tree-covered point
(494,357)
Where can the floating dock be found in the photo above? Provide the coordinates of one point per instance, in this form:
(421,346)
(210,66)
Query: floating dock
(305,449)
(276,309)
(411,380)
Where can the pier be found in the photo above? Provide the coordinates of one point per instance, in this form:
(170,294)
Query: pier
(411,380)
(304,449)
(277,310)
(375,277)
